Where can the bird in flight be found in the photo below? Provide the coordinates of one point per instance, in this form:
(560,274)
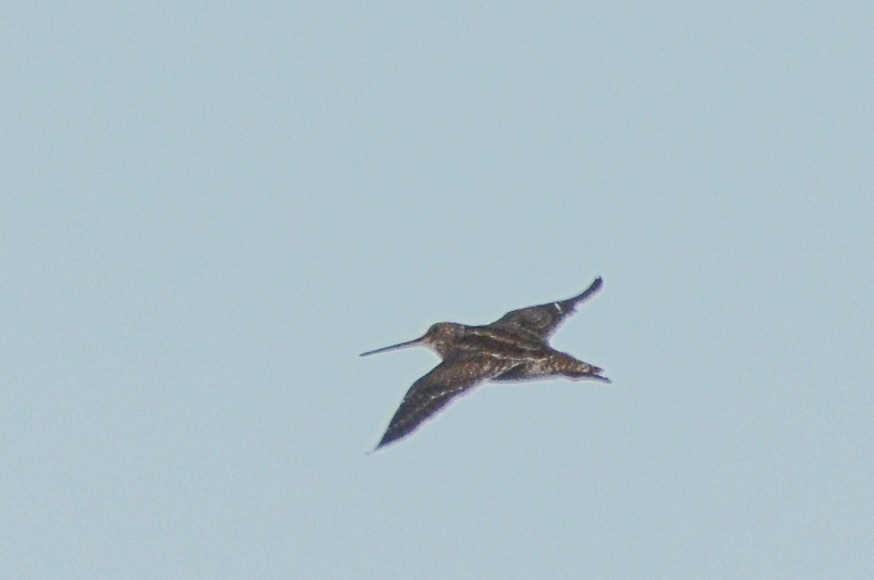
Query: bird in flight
(513,348)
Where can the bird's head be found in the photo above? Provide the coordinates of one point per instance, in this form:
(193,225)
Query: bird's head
(438,337)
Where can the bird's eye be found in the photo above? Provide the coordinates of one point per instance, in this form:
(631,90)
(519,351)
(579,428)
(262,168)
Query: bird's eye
(439,328)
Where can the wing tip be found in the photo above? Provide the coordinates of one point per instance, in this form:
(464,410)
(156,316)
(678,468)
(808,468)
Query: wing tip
(388,438)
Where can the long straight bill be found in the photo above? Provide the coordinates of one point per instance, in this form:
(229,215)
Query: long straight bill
(392,347)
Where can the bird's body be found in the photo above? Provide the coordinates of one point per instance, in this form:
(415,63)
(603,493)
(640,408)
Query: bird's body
(513,348)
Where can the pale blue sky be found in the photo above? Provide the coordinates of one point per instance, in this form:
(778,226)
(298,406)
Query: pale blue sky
(208,213)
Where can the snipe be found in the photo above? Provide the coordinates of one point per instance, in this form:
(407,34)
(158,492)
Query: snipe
(513,348)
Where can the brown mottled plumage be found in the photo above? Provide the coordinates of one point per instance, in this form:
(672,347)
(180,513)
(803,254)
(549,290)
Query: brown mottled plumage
(513,348)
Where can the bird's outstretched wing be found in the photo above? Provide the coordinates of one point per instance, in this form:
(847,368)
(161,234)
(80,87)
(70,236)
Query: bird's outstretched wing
(542,320)
(434,391)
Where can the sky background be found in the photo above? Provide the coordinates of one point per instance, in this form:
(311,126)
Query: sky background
(207,213)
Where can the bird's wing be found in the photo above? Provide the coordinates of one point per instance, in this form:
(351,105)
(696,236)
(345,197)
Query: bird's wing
(434,391)
(542,320)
